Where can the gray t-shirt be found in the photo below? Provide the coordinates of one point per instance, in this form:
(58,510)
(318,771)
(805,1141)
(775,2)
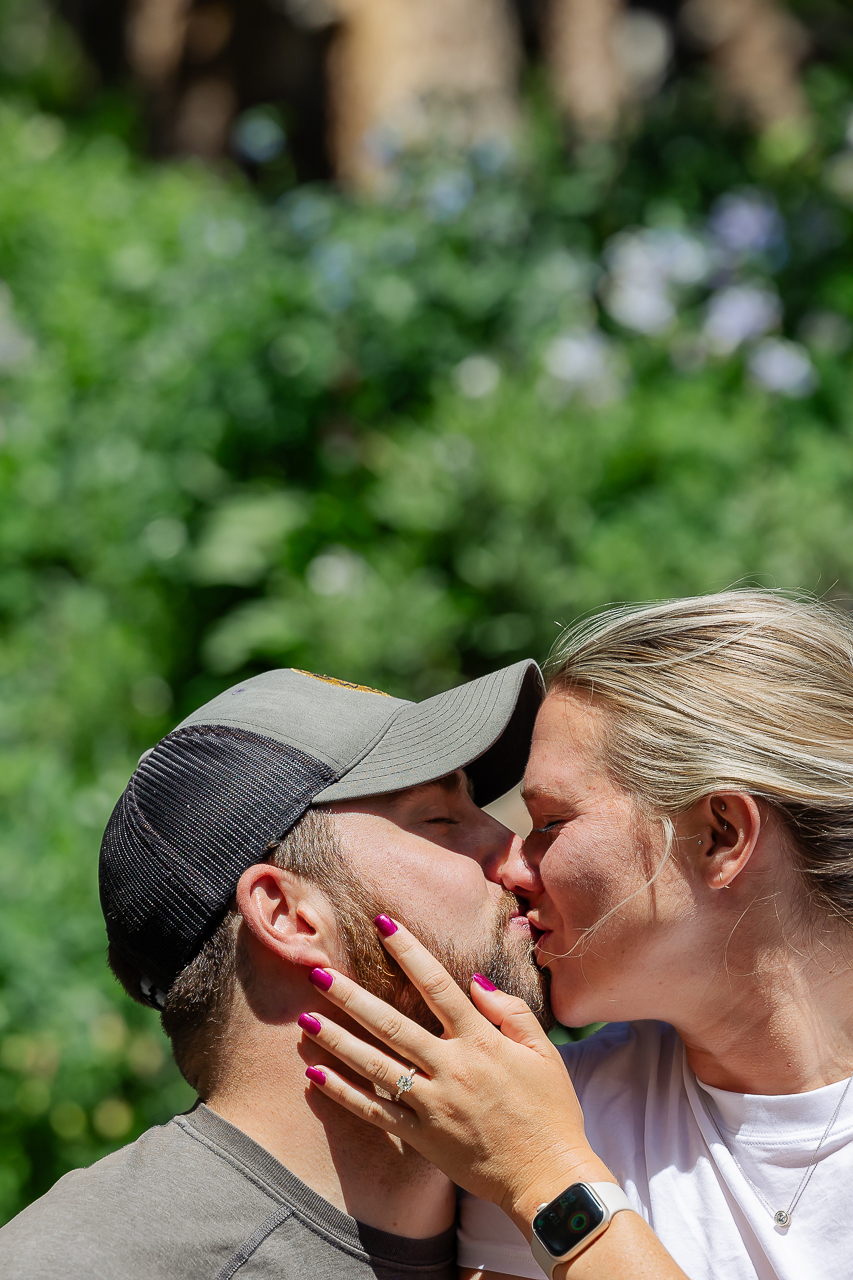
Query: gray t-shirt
(197,1199)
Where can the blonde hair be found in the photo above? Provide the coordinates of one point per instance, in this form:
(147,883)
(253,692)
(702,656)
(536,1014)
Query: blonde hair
(745,690)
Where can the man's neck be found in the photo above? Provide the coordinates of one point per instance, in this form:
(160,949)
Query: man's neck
(360,1170)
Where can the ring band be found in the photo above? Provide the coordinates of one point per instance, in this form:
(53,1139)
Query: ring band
(404,1083)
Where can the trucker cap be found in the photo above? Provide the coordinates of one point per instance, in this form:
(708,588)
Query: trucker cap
(205,803)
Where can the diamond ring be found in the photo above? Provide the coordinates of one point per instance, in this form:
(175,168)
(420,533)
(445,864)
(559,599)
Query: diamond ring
(404,1083)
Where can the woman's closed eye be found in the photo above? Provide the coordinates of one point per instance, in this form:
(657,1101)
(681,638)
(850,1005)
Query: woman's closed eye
(549,826)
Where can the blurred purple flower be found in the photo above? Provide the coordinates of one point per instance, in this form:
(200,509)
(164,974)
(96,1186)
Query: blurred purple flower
(258,137)
(334,263)
(448,194)
(783,367)
(739,313)
(747,223)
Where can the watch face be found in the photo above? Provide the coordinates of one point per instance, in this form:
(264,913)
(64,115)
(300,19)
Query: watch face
(568,1220)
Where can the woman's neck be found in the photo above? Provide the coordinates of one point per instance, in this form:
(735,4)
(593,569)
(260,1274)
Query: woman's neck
(783,1022)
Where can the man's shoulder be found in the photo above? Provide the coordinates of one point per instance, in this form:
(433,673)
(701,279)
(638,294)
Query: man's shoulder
(123,1214)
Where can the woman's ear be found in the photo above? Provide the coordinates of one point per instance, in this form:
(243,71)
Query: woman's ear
(289,916)
(719,835)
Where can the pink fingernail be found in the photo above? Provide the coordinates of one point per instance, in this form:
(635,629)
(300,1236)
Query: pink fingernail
(483,982)
(315,1075)
(308,1022)
(321,979)
(385,925)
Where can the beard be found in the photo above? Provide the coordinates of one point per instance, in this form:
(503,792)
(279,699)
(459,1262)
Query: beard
(506,960)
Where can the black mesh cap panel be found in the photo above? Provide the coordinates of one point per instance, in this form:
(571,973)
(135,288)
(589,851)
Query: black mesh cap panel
(199,810)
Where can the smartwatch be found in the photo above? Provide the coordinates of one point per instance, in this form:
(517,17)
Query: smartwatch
(579,1215)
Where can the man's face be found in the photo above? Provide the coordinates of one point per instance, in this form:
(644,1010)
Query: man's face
(418,855)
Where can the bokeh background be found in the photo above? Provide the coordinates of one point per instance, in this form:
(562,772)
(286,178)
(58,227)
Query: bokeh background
(383,340)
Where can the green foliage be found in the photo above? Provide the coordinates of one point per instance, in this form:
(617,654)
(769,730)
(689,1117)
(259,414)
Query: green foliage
(401,443)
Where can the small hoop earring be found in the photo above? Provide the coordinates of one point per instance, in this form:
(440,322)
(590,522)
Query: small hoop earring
(723,886)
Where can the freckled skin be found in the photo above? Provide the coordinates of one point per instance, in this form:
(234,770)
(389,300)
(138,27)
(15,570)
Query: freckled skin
(716,946)
(596,853)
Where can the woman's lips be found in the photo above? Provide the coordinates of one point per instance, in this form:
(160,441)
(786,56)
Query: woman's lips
(540,939)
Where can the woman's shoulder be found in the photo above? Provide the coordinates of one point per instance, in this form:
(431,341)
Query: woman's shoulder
(622,1053)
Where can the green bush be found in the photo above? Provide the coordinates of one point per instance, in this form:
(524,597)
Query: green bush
(402,443)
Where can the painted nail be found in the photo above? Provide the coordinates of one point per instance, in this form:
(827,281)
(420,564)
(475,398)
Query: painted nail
(385,925)
(484,982)
(315,1075)
(309,1023)
(321,979)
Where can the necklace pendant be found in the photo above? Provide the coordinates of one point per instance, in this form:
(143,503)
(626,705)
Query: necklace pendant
(782,1218)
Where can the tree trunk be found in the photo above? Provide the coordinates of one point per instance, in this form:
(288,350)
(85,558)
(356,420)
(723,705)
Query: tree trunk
(401,71)
(586,76)
(756,48)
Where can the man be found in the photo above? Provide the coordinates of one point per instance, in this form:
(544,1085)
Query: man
(253,845)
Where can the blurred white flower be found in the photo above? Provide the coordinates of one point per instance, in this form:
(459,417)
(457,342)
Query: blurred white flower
(739,313)
(746,223)
(645,269)
(586,361)
(783,367)
(639,305)
(336,572)
(476,377)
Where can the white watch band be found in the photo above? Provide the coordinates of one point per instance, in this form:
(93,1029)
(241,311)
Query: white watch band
(612,1197)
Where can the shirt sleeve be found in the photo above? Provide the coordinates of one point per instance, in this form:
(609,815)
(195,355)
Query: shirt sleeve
(490,1241)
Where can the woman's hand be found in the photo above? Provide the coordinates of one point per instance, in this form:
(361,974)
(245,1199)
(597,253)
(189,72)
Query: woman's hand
(491,1103)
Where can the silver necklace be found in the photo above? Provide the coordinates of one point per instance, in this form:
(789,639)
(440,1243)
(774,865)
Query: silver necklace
(782,1217)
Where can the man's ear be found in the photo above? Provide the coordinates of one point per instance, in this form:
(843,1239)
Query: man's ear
(719,835)
(291,917)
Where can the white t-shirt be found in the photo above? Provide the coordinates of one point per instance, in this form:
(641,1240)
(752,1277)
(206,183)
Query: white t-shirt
(648,1118)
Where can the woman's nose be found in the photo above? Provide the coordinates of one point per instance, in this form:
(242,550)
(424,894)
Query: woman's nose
(519,872)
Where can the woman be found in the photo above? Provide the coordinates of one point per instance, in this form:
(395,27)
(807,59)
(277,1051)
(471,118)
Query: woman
(689,880)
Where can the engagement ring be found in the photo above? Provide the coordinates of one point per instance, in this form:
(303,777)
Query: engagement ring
(404,1083)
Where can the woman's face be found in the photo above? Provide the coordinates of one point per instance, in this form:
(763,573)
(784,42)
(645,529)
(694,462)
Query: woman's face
(590,851)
